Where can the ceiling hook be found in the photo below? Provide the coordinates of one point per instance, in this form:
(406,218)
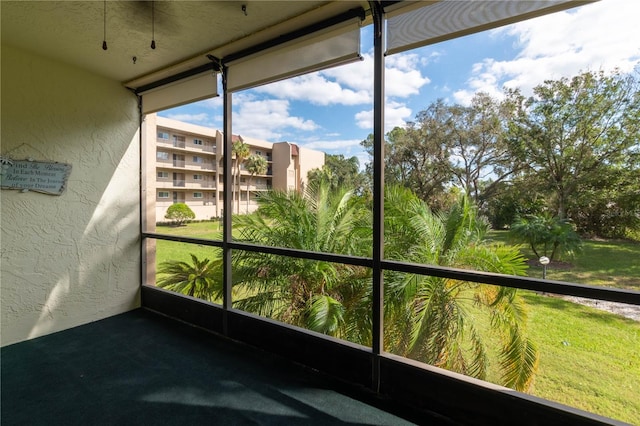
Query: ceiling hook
(104,27)
(153,24)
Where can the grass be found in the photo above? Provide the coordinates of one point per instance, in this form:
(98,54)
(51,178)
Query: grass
(171,250)
(602,263)
(589,359)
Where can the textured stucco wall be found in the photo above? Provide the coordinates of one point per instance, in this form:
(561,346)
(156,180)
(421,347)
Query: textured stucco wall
(309,159)
(70,259)
(282,164)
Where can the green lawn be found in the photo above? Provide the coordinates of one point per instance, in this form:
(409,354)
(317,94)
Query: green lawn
(603,263)
(589,359)
(171,250)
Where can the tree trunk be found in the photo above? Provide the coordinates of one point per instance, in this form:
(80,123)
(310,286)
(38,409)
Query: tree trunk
(248,184)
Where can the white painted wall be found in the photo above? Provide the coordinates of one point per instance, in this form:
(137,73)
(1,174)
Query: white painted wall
(70,259)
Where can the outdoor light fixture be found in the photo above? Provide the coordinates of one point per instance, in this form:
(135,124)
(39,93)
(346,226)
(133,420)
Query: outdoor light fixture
(544,261)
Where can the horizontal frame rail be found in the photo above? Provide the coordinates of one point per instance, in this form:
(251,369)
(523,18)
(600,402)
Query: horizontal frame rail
(527,283)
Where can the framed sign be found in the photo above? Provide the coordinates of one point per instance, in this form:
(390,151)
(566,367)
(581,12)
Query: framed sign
(39,176)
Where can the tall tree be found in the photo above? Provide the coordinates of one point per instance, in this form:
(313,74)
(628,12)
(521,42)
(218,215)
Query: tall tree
(572,130)
(480,159)
(256,165)
(339,171)
(417,156)
(241,151)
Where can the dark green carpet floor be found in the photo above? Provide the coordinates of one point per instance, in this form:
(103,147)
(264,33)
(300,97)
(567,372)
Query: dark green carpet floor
(140,368)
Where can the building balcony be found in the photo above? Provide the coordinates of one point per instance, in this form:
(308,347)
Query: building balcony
(200,166)
(259,187)
(169,143)
(183,146)
(201,148)
(145,365)
(141,367)
(200,202)
(165,183)
(201,185)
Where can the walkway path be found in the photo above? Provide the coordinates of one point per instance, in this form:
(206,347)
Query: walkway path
(623,309)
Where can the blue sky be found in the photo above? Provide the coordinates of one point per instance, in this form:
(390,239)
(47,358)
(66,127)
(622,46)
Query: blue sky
(331,110)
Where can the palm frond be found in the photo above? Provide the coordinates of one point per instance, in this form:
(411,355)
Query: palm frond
(519,362)
(325,315)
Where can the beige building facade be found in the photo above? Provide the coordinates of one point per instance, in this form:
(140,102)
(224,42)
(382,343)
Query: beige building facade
(186,162)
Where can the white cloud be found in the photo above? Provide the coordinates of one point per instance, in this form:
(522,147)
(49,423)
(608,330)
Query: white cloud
(352,84)
(598,36)
(267,119)
(395,114)
(358,75)
(214,103)
(364,119)
(316,89)
(331,145)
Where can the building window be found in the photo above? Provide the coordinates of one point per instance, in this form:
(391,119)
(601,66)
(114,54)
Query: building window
(162,155)
(198,177)
(163,194)
(197,159)
(258,152)
(197,195)
(163,175)
(163,135)
(197,141)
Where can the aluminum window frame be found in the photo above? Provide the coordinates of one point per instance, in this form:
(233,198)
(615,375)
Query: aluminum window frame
(377,263)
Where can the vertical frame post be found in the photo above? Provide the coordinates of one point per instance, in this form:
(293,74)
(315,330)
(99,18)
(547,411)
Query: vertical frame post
(378,191)
(227,201)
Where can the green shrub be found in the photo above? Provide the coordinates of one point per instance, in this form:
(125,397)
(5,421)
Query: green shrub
(179,213)
(546,235)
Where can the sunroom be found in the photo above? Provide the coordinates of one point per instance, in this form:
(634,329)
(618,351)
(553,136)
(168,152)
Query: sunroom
(79,267)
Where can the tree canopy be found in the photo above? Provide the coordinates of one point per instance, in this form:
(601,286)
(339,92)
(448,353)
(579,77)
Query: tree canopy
(241,151)
(572,131)
(339,172)
(571,149)
(255,165)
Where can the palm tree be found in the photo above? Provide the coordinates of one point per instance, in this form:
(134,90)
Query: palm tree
(546,233)
(256,165)
(427,318)
(434,319)
(241,151)
(327,297)
(201,278)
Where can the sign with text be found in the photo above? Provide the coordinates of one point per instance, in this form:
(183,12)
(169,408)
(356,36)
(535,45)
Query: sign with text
(40,176)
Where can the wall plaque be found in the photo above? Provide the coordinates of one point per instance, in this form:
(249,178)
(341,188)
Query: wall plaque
(39,176)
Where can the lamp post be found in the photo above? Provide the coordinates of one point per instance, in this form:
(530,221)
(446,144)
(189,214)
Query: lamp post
(544,261)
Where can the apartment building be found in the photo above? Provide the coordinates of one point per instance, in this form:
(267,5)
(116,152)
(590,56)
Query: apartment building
(188,163)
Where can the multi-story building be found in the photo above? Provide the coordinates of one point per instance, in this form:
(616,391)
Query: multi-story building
(188,164)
